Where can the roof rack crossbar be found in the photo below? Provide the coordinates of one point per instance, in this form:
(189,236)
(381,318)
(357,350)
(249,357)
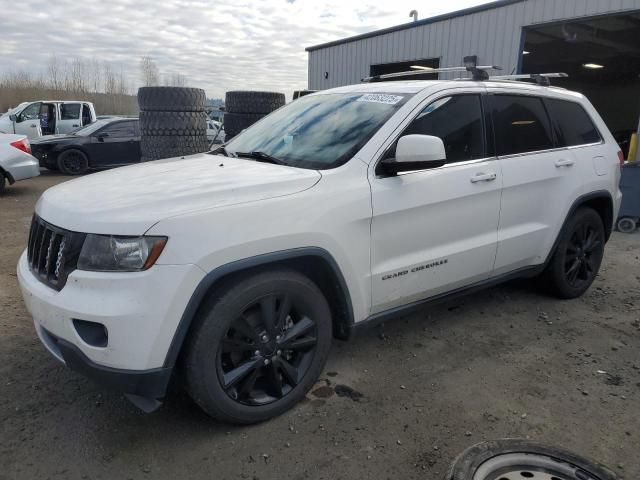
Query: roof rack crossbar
(540,78)
(478,73)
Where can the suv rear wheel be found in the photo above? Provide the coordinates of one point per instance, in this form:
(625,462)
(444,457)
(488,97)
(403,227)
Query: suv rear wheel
(578,256)
(258,346)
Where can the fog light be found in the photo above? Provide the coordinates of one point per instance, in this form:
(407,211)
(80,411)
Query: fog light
(92,333)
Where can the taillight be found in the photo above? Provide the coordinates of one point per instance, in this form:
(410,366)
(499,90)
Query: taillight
(621,157)
(22,145)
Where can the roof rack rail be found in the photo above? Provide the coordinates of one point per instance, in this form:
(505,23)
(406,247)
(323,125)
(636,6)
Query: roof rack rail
(470,65)
(478,73)
(542,79)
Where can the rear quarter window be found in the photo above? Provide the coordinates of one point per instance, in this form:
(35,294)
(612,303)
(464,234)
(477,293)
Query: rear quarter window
(572,125)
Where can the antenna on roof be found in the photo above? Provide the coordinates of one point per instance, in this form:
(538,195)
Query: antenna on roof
(414,14)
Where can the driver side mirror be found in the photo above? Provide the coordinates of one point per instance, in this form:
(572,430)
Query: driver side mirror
(416,152)
(13,117)
(102,136)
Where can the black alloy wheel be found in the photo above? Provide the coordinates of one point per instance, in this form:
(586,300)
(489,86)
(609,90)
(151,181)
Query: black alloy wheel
(73,162)
(583,255)
(267,350)
(577,256)
(258,345)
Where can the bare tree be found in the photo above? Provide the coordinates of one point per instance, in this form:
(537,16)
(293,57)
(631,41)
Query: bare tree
(149,72)
(175,80)
(53,72)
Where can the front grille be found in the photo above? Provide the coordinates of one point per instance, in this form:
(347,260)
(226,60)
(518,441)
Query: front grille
(52,252)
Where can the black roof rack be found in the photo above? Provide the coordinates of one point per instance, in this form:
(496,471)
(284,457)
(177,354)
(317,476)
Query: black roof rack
(540,78)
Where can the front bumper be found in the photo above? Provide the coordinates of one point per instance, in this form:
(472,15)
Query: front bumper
(140,312)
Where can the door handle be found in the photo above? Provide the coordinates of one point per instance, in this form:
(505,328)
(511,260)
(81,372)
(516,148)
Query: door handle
(33,125)
(564,163)
(483,177)
(74,125)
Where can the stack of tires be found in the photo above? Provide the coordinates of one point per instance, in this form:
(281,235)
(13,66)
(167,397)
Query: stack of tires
(173,122)
(244,108)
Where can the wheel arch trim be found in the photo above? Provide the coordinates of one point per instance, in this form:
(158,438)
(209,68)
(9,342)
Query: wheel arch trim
(210,279)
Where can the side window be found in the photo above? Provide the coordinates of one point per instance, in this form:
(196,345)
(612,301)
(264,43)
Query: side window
(119,129)
(457,120)
(571,123)
(32,112)
(69,111)
(521,124)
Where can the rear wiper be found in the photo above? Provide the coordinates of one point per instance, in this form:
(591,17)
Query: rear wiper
(261,157)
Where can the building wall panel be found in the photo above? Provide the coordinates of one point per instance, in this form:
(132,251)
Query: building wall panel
(494,35)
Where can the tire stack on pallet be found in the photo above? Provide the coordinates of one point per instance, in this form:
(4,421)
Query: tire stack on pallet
(173,122)
(244,108)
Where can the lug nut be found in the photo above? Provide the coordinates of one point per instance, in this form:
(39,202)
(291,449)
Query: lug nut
(279,352)
(265,338)
(266,361)
(257,353)
(278,337)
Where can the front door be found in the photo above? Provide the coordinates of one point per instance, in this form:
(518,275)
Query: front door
(70,117)
(115,144)
(28,121)
(435,230)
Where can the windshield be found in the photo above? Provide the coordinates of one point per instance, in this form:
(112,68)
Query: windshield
(89,129)
(319,131)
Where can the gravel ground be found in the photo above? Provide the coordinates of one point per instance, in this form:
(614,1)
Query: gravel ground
(399,402)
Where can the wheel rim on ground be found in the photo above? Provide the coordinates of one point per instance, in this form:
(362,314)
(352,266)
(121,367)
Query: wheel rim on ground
(529,466)
(583,255)
(626,225)
(267,350)
(73,162)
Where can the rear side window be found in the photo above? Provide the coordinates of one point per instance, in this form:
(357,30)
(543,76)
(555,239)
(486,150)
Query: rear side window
(457,121)
(69,111)
(571,123)
(521,124)
(119,129)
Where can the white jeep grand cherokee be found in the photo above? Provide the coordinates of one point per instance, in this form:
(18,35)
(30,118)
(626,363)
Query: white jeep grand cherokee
(344,208)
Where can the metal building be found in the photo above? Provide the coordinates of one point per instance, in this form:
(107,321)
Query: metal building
(597,42)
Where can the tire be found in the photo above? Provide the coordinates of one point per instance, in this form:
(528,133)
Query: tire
(234,123)
(157,147)
(236,311)
(171,99)
(73,162)
(173,123)
(241,101)
(626,225)
(3,183)
(578,255)
(509,458)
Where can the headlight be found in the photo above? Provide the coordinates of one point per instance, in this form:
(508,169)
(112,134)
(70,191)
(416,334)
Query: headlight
(106,253)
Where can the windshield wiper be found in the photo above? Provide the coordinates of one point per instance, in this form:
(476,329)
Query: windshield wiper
(223,151)
(261,157)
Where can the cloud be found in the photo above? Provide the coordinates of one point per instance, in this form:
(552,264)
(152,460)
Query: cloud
(217,45)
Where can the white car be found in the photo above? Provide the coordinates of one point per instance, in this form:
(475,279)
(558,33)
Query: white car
(16,161)
(215,132)
(47,117)
(342,209)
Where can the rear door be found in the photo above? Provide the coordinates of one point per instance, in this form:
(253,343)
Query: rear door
(539,179)
(435,230)
(28,121)
(115,144)
(70,117)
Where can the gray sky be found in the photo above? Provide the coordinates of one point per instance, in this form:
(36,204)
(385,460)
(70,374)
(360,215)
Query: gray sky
(218,45)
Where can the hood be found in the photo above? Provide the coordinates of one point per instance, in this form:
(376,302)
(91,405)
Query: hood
(129,200)
(52,138)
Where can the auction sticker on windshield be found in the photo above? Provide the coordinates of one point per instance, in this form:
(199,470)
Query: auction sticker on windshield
(380,98)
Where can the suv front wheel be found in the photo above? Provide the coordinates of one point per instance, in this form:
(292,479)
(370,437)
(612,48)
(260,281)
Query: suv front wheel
(578,255)
(258,346)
